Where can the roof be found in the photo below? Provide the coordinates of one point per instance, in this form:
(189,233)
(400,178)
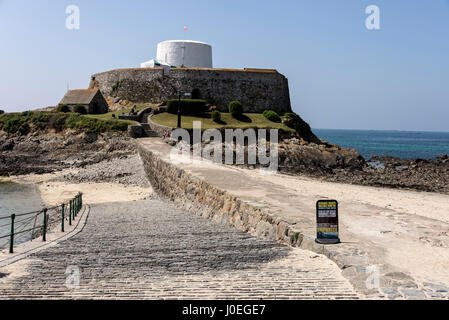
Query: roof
(186,41)
(81,96)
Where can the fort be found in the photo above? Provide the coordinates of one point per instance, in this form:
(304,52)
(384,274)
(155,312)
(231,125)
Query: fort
(185,66)
(257,89)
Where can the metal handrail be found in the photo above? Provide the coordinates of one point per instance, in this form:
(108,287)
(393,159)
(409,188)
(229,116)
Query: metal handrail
(73,207)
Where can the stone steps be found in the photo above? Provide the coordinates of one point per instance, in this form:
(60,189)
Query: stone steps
(148,132)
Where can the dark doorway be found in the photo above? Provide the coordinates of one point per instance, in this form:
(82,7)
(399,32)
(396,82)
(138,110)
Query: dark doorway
(196,94)
(95,108)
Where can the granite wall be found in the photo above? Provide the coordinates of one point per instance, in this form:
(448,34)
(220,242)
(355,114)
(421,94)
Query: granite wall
(257,89)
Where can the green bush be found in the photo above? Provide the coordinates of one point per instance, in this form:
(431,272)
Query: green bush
(216,116)
(291,115)
(118,125)
(63,108)
(235,108)
(40,120)
(79,108)
(296,122)
(16,124)
(272,116)
(79,122)
(191,107)
(26,122)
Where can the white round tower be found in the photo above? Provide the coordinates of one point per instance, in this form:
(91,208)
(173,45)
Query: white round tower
(185,53)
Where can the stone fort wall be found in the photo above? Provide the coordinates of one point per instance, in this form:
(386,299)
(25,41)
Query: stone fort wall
(257,89)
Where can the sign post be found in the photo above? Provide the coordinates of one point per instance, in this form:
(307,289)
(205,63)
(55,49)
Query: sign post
(327,222)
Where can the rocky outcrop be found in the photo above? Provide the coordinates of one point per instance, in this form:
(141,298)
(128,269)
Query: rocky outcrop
(51,152)
(301,157)
(416,174)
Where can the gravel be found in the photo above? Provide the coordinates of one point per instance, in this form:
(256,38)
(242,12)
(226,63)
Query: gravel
(126,170)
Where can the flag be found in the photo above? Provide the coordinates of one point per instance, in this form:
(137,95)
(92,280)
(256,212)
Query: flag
(185,28)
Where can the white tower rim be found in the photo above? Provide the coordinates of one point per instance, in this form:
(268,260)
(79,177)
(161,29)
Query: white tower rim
(186,41)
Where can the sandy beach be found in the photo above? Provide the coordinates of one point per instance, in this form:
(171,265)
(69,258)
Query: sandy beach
(410,228)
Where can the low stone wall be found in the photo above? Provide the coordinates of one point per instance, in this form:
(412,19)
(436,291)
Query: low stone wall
(159,129)
(197,196)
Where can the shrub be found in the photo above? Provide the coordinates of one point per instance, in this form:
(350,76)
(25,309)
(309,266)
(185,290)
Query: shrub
(235,108)
(79,108)
(96,126)
(40,120)
(272,116)
(57,121)
(63,108)
(17,124)
(115,86)
(296,122)
(188,106)
(291,115)
(216,116)
(79,122)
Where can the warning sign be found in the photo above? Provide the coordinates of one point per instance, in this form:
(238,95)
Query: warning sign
(327,221)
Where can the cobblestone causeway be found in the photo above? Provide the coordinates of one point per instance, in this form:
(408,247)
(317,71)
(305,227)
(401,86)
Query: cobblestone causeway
(150,250)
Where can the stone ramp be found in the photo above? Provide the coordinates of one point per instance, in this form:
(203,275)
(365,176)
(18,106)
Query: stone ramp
(150,250)
(376,240)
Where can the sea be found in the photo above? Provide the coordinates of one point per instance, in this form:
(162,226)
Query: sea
(399,144)
(17,198)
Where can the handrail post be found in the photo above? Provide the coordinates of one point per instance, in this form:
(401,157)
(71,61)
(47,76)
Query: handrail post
(44,231)
(62,220)
(70,213)
(73,209)
(11,238)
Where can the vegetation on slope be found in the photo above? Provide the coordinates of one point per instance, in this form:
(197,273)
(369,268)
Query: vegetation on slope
(36,122)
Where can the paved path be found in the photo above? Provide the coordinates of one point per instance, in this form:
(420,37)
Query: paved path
(148,249)
(395,240)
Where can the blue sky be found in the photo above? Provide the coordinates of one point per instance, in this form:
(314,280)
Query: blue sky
(341,74)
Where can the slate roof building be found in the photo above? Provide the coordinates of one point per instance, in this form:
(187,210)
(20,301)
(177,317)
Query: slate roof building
(91,99)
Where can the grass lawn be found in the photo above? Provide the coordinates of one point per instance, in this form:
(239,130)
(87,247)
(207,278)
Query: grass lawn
(108,116)
(250,120)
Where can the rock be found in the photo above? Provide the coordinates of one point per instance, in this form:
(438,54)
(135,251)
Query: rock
(49,152)
(7,146)
(90,137)
(412,293)
(2,112)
